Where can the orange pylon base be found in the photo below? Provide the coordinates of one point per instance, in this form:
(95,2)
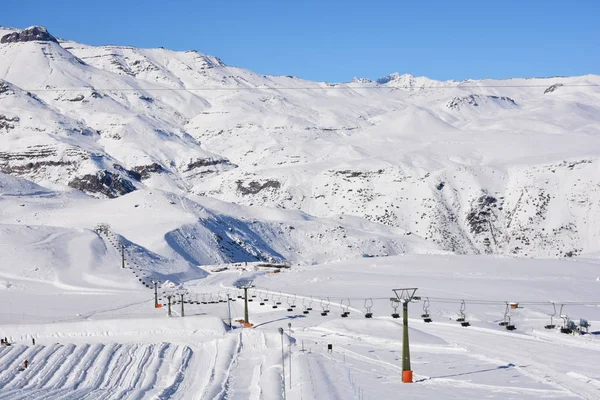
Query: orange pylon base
(407,376)
(158,306)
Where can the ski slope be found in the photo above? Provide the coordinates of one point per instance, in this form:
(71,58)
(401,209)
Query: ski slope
(124,168)
(139,352)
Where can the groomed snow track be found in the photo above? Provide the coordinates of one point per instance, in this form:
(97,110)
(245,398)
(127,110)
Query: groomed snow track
(92,371)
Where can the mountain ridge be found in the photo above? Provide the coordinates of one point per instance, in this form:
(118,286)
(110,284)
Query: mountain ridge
(468,166)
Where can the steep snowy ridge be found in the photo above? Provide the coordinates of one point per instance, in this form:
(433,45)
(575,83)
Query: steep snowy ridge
(478,166)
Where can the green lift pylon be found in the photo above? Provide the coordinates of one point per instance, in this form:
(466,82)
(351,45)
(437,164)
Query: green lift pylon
(404,296)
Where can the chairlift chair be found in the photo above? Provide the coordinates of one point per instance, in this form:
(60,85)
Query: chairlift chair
(506,319)
(324,310)
(305,311)
(426,317)
(368,307)
(395,305)
(566,328)
(551,325)
(345,308)
(462,319)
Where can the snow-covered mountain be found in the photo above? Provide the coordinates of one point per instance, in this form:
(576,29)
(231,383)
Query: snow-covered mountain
(400,164)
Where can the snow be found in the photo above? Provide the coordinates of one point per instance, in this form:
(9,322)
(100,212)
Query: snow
(196,355)
(481,193)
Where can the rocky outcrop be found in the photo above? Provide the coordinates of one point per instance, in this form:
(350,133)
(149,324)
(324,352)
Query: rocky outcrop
(4,88)
(255,187)
(103,183)
(204,162)
(34,33)
(144,171)
(552,88)
(7,122)
(475,100)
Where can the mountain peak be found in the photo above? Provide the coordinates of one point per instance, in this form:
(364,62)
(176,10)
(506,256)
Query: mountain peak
(411,82)
(33,33)
(395,77)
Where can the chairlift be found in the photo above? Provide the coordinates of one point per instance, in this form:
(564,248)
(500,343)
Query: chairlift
(309,308)
(566,328)
(289,303)
(506,323)
(551,325)
(279,299)
(426,317)
(395,305)
(506,319)
(324,309)
(305,311)
(274,302)
(345,308)
(368,307)
(462,319)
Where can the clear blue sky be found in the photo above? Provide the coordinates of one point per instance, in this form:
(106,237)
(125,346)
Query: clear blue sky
(336,40)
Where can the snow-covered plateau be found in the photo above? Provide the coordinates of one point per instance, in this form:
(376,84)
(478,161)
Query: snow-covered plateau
(123,167)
